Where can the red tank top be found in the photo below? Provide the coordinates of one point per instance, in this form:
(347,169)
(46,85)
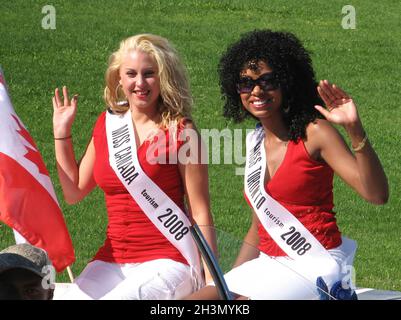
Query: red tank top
(304,187)
(130,236)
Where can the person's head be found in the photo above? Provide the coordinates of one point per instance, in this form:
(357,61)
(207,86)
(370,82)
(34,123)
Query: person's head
(22,269)
(284,76)
(147,72)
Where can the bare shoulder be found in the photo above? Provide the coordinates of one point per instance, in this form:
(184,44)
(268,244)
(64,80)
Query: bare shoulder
(320,131)
(188,127)
(187,123)
(320,134)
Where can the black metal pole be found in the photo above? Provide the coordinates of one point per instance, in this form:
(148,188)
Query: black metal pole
(211,262)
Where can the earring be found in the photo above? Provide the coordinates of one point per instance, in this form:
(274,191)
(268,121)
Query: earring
(286,109)
(121,102)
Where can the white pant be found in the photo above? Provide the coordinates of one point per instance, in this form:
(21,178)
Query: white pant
(152,280)
(282,278)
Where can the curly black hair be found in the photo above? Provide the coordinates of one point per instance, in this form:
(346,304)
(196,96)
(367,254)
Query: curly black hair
(292,67)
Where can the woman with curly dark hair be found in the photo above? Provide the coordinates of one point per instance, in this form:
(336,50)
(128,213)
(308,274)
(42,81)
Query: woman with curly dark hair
(291,158)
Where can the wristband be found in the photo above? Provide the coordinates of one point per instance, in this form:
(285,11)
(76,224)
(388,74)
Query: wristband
(63,138)
(361,144)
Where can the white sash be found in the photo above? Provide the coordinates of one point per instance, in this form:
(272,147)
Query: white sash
(286,230)
(158,207)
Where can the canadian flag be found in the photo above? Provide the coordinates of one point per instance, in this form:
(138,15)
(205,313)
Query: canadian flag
(28,203)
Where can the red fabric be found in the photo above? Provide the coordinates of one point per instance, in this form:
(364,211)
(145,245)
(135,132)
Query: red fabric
(27,200)
(26,206)
(131,237)
(304,187)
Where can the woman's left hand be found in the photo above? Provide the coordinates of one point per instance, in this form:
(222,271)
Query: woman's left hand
(341,109)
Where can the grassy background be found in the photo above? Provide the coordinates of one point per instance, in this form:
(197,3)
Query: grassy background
(364,61)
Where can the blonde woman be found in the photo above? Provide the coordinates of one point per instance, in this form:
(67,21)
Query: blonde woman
(151,194)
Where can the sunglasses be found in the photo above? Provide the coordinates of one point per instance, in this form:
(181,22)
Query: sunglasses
(266,82)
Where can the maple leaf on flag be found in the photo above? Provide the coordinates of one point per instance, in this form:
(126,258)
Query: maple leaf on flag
(28,203)
(33,154)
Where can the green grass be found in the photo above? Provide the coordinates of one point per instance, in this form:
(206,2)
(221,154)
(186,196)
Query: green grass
(364,61)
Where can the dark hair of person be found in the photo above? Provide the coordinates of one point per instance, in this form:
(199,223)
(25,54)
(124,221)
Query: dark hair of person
(293,71)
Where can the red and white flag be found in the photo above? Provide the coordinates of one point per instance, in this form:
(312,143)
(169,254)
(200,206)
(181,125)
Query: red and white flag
(28,203)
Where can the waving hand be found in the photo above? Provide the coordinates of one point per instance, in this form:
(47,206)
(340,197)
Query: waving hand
(64,112)
(341,109)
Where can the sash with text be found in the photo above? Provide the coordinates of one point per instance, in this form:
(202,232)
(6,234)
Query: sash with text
(285,229)
(169,219)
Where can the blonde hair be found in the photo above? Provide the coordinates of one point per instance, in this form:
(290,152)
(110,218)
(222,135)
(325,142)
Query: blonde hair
(176,99)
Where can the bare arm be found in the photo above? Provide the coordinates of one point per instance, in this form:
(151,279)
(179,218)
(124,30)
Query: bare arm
(361,170)
(194,174)
(249,249)
(76,179)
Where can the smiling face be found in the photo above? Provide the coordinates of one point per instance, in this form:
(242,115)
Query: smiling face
(262,101)
(140,80)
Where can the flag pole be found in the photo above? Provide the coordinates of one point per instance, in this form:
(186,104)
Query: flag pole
(70,274)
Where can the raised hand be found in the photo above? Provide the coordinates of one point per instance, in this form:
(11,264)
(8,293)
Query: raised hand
(64,113)
(340,106)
